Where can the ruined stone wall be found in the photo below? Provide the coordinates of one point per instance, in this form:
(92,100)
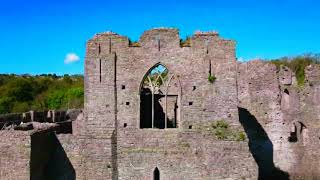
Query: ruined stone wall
(40,155)
(33,151)
(114,73)
(308,142)
(51,116)
(280,118)
(182,155)
(190,64)
(278,104)
(15,153)
(74,149)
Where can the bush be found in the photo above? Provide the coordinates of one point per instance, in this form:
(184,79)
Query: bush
(220,124)
(211,78)
(241,136)
(55,100)
(5,105)
(222,131)
(21,107)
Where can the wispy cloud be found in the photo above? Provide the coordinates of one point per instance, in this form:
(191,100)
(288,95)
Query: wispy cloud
(241,59)
(71,58)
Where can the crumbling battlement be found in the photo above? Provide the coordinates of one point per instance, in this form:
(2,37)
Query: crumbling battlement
(159,39)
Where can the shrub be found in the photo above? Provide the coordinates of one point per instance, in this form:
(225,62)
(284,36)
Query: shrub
(211,78)
(5,105)
(21,107)
(241,136)
(222,131)
(221,124)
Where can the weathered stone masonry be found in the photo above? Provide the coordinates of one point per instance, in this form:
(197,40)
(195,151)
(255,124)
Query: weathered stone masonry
(113,111)
(280,119)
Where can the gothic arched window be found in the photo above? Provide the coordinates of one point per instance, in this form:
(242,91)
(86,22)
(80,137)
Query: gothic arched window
(159,99)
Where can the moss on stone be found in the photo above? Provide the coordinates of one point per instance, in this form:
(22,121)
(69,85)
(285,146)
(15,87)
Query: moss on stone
(221,130)
(184,144)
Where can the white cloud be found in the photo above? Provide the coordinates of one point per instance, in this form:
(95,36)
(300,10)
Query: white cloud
(241,59)
(71,58)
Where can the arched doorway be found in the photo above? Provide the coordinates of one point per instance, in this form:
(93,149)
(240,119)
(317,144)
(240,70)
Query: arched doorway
(156,174)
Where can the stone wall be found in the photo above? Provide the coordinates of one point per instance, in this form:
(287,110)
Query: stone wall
(182,155)
(34,151)
(190,64)
(113,76)
(15,153)
(51,116)
(284,110)
(39,155)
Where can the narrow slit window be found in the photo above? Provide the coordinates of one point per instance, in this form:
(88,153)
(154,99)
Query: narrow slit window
(210,68)
(158,41)
(207,42)
(159,45)
(100,70)
(110,45)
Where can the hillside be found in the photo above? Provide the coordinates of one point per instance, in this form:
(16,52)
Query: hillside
(21,93)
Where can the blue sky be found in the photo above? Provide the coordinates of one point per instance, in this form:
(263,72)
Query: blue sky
(37,35)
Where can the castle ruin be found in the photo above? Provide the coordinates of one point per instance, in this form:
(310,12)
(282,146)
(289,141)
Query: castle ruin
(157,109)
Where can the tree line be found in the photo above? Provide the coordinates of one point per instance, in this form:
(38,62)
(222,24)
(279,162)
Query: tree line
(21,93)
